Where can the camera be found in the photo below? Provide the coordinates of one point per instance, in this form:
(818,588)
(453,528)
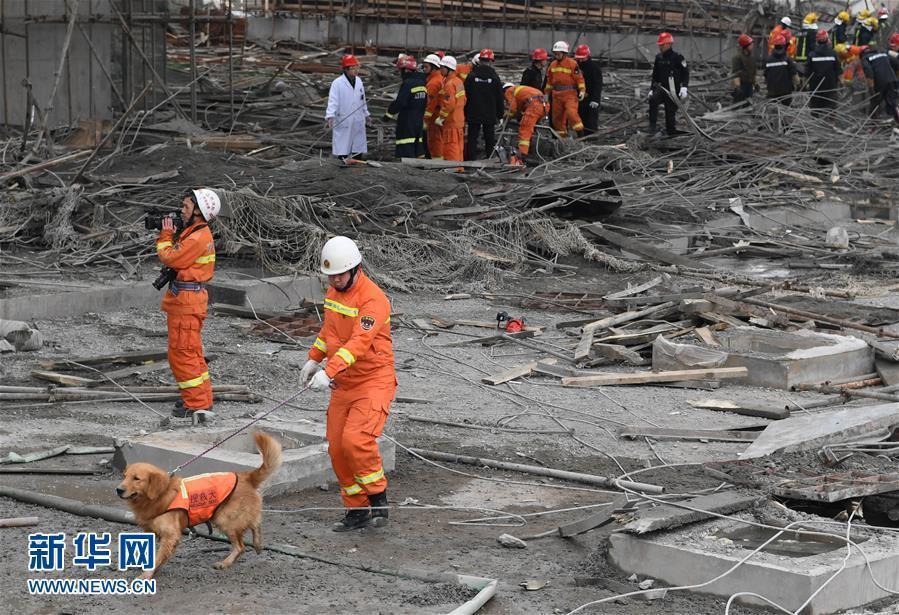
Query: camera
(166,275)
(153,221)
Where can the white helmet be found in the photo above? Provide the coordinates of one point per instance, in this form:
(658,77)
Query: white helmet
(508,85)
(339,255)
(787,22)
(448,62)
(209,203)
(432,58)
(476,58)
(560,46)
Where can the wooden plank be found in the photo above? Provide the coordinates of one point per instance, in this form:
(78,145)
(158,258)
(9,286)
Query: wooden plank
(135,370)
(887,370)
(633,245)
(628,292)
(667,516)
(611,379)
(66,380)
(510,374)
(766,412)
(697,435)
(617,353)
(125,357)
(707,337)
(551,369)
(653,299)
(604,517)
(620,319)
(583,346)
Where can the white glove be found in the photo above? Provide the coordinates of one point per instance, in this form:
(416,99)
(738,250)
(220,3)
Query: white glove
(581,95)
(320,381)
(649,93)
(439,121)
(594,104)
(308,371)
(683,92)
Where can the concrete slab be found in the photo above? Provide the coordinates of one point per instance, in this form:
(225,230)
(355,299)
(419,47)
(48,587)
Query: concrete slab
(782,360)
(275,293)
(788,575)
(306,462)
(807,432)
(69,304)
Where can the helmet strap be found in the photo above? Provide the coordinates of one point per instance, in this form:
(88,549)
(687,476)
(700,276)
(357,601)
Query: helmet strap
(349,284)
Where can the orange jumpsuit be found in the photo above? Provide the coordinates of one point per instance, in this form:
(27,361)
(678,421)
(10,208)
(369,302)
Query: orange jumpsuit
(788,37)
(452,110)
(192,255)
(529,106)
(201,495)
(463,70)
(433,86)
(355,338)
(565,81)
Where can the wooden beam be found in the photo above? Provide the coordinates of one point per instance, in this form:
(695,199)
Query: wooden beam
(620,319)
(583,346)
(757,410)
(698,435)
(651,377)
(634,245)
(125,357)
(66,380)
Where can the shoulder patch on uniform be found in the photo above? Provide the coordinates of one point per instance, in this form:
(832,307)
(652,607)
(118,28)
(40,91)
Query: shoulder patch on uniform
(367,322)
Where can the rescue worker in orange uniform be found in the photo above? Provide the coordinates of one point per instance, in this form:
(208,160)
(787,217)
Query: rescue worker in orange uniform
(528,106)
(190,254)
(781,29)
(565,83)
(355,340)
(433,85)
(451,118)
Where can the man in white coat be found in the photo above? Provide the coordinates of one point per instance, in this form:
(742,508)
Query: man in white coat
(347,111)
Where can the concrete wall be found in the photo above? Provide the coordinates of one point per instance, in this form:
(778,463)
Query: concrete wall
(31,42)
(421,36)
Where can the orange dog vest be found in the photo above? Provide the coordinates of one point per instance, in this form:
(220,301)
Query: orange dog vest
(201,495)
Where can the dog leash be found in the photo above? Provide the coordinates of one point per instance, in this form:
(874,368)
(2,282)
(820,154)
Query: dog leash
(247,426)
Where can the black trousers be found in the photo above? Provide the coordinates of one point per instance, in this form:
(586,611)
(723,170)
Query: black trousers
(474,133)
(742,93)
(660,98)
(590,117)
(889,98)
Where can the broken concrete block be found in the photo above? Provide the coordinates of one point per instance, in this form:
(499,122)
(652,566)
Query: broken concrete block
(20,335)
(511,542)
(646,583)
(838,238)
(6,347)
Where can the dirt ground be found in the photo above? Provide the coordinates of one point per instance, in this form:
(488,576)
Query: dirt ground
(428,530)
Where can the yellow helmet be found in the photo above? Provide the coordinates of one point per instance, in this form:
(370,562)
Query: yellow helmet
(862,15)
(843,16)
(871,23)
(811,18)
(840,48)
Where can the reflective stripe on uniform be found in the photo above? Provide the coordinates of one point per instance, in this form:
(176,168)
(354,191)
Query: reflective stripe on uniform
(578,127)
(418,88)
(371,478)
(162,245)
(560,69)
(352,489)
(770,64)
(460,93)
(390,115)
(205,260)
(346,310)
(825,59)
(524,142)
(406,141)
(346,355)
(194,382)
(320,344)
(429,113)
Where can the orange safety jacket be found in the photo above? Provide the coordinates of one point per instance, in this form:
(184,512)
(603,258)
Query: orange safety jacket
(201,495)
(433,86)
(463,70)
(192,255)
(564,75)
(355,336)
(452,106)
(520,97)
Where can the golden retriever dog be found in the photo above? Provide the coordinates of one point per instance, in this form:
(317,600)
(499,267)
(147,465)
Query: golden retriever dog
(151,493)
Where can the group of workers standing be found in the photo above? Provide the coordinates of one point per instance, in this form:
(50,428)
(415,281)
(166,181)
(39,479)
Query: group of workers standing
(439,98)
(821,60)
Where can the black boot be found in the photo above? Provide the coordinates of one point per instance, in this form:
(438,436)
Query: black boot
(355,519)
(379,511)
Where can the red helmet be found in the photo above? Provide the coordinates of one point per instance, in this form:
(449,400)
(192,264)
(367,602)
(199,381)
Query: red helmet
(486,54)
(744,40)
(440,54)
(539,54)
(349,60)
(581,52)
(665,38)
(894,39)
(779,40)
(407,63)
(822,36)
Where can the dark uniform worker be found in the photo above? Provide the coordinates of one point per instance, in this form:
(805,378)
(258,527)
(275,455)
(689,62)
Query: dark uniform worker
(588,108)
(880,73)
(408,109)
(743,69)
(484,106)
(534,76)
(670,77)
(823,73)
(781,75)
